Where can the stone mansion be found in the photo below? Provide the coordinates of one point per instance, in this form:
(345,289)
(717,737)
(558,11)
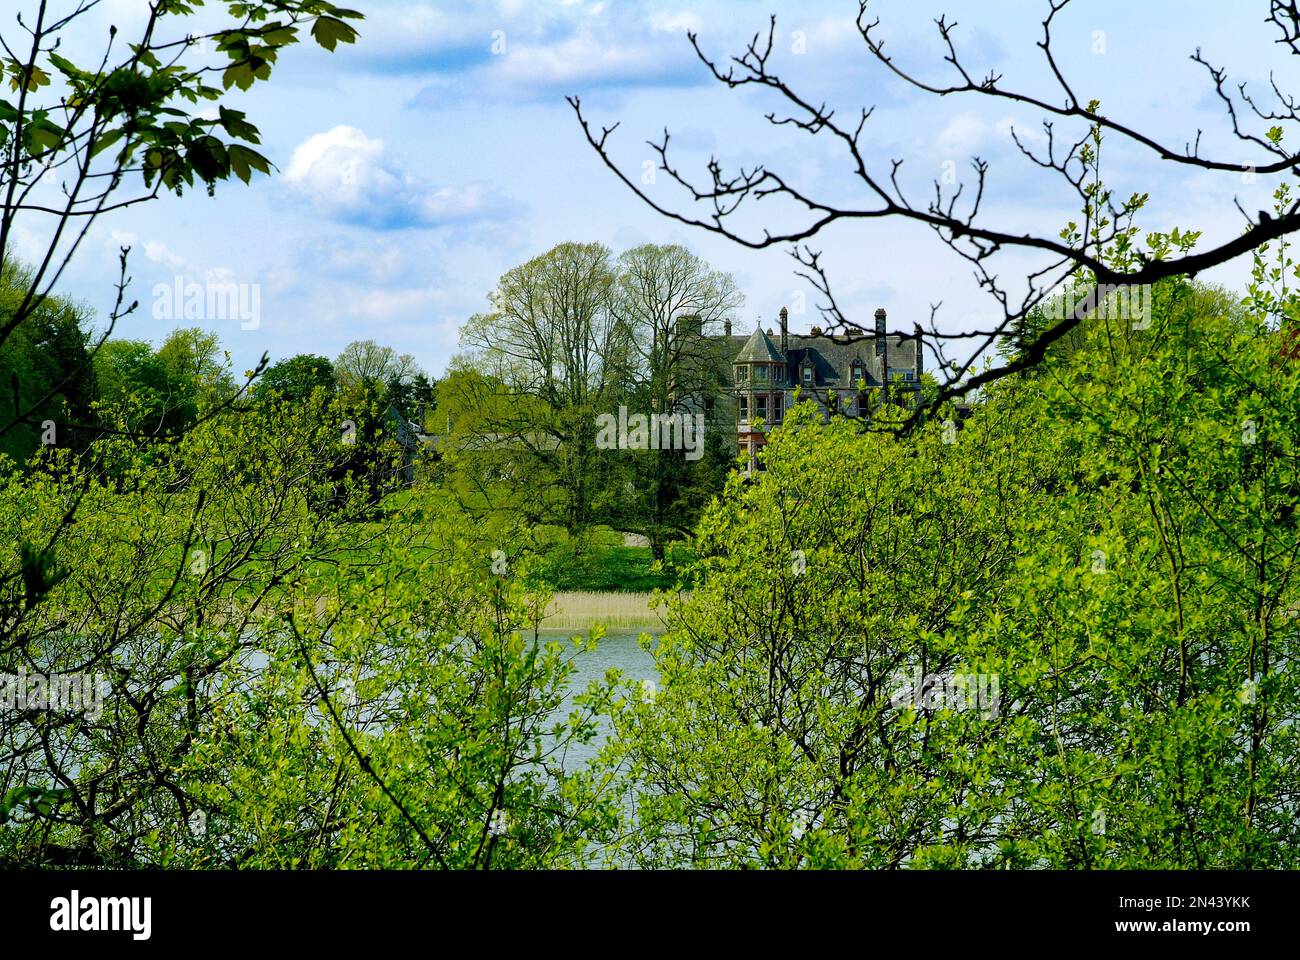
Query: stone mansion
(851,373)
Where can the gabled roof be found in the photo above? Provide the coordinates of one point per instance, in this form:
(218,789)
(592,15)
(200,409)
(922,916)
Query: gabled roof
(405,431)
(832,357)
(759,349)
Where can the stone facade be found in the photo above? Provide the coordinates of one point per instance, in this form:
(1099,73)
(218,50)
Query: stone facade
(851,373)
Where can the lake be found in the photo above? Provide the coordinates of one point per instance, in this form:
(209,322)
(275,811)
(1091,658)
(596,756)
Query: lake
(616,650)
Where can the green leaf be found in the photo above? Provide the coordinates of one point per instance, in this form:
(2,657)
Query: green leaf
(106,140)
(237,126)
(330,31)
(238,75)
(243,161)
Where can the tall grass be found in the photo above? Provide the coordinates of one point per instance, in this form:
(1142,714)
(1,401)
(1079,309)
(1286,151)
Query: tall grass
(581,610)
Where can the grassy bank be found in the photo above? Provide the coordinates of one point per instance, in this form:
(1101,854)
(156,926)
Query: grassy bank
(621,612)
(603,561)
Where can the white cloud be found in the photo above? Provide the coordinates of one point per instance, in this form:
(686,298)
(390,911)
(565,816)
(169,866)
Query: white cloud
(963,135)
(661,22)
(969,133)
(393,304)
(155,251)
(584,57)
(346,175)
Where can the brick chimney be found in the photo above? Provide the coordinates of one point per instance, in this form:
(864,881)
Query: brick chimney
(785,331)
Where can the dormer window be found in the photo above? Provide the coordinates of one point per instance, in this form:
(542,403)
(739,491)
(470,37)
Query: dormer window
(807,373)
(857,372)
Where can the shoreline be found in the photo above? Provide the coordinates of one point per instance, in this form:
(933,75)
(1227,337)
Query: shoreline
(581,610)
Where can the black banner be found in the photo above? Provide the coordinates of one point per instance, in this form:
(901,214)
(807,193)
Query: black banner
(1222,910)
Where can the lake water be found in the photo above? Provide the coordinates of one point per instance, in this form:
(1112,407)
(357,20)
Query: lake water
(616,650)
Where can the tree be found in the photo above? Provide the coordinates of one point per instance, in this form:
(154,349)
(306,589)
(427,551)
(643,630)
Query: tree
(164,392)
(372,381)
(1060,636)
(366,370)
(45,372)
(555,349)
(142,113)
(139,392)
(575,336)
(672,306)
(77,142)
(194,358)
(231,645)
(414,397)
(958,212)
(296,378)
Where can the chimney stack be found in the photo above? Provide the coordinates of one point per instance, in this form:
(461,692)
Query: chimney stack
(785,331)
(882,354)
(726,327)
(920,355)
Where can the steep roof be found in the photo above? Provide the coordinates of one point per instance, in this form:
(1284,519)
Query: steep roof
(833,357)
(404,431)
(759,349)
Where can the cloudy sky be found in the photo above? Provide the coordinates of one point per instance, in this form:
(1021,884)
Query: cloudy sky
(416,167)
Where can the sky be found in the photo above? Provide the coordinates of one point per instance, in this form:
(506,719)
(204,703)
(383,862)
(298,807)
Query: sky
(416,167)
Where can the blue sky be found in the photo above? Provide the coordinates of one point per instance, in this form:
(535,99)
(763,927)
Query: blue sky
(416,167)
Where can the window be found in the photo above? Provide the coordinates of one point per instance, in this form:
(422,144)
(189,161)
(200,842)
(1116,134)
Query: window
(857,372)
(760,407)
(742,373)
(743,408)
(807,373)
(778,407)
(760,373)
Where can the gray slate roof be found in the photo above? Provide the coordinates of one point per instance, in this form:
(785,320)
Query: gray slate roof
(759,348)
(832,357)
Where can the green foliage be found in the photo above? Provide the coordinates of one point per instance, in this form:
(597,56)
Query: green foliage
(320,685)
(151,109)
(573,335)
(296,378)
(271,697)
(160,392)
(45,371)
(602,563)
(1113,538)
